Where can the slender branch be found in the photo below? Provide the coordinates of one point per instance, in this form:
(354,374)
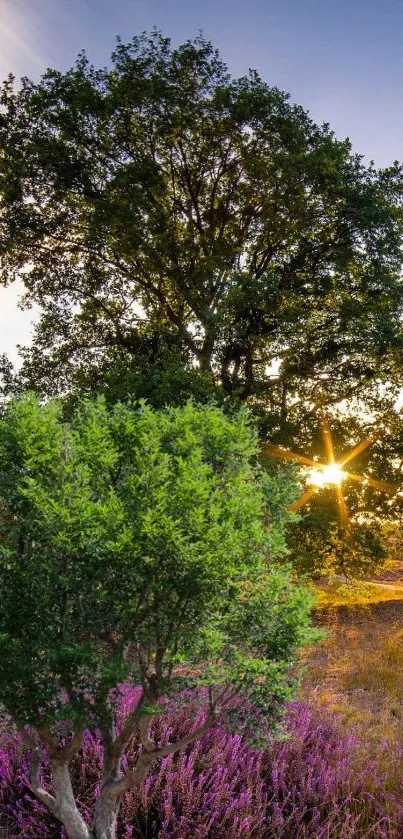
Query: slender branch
(134,777)
(73,746)
(34,775)
(34,768)
(193,198)
(159,294)
(62,753)
(114,747)
(146,741)
(171,748)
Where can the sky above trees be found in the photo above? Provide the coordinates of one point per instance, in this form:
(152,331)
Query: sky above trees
(342,61)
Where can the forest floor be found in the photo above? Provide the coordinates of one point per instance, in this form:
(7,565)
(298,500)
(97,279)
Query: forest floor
(357,671)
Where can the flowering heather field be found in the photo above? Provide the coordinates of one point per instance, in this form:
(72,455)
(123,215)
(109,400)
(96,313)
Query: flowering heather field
(313,785)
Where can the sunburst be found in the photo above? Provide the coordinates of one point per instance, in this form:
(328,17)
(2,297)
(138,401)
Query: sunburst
(330,472)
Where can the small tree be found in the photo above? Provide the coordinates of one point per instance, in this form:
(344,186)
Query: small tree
(137,545)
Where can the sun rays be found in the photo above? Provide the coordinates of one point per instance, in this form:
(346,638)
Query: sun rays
(330,472)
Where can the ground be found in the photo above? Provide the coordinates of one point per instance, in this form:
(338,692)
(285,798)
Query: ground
(357,671)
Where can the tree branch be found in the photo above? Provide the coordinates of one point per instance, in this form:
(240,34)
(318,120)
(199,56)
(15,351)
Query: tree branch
(34,768)
(135,777)
(34,775)
(114,747)
(62,753)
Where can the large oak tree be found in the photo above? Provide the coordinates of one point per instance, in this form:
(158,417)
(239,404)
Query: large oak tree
(162,194)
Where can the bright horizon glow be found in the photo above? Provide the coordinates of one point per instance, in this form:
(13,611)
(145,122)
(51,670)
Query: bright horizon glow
(324,475)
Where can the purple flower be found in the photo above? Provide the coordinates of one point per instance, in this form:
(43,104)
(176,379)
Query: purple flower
(311,785)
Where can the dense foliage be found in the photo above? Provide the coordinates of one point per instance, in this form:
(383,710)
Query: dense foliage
(162,194)
(138,544)
(321,543)
(313,785)
(188,233)
(185,234)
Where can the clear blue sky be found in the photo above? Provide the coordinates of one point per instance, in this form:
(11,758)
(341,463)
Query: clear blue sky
(341,59)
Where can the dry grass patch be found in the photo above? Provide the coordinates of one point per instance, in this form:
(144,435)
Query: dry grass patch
(379,671)
(357,671)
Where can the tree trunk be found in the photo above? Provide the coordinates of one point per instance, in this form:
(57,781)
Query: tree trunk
(105,817)
(66,809)
(74,823)
(108,804)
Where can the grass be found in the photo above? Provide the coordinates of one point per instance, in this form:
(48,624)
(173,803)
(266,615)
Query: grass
(357,671)
(337,593)
(379,671)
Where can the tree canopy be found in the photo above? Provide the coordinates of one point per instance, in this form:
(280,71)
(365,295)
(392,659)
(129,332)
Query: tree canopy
(186,233)
(162,194)
(138,545)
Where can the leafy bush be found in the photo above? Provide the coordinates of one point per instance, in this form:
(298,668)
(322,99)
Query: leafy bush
(139,546)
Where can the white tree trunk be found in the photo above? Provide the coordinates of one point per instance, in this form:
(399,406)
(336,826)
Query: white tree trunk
(105,816)
(67,811)
(63,805)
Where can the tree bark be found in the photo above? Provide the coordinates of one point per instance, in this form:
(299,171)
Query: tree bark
(106,815)
(108,804)
(63,805)
(65,808)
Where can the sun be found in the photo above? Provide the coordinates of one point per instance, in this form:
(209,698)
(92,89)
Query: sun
(330,473)
(326,475)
